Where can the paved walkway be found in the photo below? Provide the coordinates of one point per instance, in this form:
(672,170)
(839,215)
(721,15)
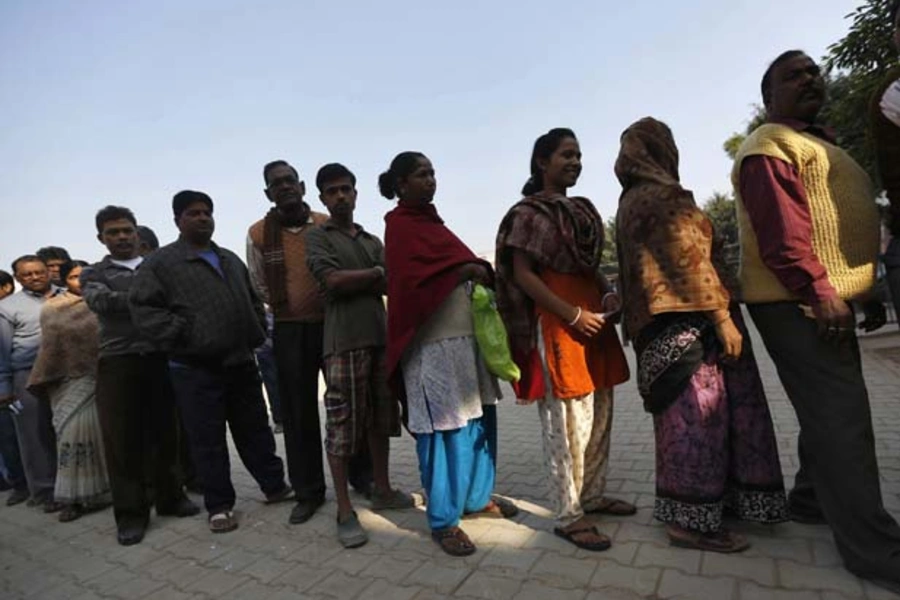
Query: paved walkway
(268,559)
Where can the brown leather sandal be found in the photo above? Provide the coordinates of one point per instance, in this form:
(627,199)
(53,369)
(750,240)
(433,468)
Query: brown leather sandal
(600,543)
(723,541)
(497,508)
(453,541)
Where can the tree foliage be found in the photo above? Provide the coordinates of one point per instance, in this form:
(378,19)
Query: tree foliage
(854,67)
(721,211)
(609,255)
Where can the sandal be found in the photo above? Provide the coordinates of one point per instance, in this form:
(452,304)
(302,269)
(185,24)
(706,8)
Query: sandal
(614,507)
(71,512)
(453,541)
(576,536)
(723,541)
(497,508)
(223,522)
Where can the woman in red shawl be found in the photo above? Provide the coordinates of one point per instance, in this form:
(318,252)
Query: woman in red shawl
(556,305)
(433,358)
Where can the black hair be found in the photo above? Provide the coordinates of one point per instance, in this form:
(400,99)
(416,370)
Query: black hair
(53,253)
(113,213)
(895,12)
(332,172)
(277,163)
(27,258)
(544,147)
(68,267)
(146,236)
(6,279)
(765,86)
(185,198)
(403,165)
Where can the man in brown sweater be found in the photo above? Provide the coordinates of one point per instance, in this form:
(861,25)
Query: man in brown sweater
(276,257)
(884,128)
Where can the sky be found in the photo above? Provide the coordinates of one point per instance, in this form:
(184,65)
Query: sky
(127,103)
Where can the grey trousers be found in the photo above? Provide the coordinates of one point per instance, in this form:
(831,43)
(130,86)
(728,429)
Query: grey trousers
(825,384)
(37,440)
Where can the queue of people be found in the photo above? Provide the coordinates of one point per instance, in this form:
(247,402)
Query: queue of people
(102,376)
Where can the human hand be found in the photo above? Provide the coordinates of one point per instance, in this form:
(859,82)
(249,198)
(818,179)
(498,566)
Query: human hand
(731,339)
(588,323)
(834,318)
(875,315)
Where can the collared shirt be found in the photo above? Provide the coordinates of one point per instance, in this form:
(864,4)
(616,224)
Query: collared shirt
(198,316)
(20,333)
(777,205)
(351,321)
(105,286)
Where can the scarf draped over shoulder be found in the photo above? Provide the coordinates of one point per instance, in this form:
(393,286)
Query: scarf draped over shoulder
(564,234)
(664,241)
(422,256)
(70,343)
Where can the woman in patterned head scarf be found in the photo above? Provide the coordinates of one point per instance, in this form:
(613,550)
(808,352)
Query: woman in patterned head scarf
(715,445)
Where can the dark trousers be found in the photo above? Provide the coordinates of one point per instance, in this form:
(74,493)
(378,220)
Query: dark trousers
(9,449)
(211,398)
(298,356)
(137,416)
(824,382)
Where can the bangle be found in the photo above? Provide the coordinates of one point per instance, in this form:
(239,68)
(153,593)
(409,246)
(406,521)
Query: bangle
(577,316)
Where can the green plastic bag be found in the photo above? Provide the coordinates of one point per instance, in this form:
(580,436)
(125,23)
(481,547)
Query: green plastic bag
(491,335)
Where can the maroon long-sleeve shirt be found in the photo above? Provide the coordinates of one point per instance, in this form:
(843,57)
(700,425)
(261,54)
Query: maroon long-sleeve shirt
(776,202)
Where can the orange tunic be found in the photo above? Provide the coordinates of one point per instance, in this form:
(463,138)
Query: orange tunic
(578,365)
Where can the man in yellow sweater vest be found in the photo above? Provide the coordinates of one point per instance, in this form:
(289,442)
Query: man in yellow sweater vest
(809,232)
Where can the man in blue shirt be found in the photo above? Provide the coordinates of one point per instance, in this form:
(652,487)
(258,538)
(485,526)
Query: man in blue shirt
(20,339)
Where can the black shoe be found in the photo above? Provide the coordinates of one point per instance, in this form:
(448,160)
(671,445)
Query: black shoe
(130,534)
(18,497)
(182,508)
(304,511)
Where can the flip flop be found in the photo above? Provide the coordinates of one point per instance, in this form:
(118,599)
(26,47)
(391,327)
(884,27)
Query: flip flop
(570,536)
(453,541)
(615,507)
(722,541)
(497,508)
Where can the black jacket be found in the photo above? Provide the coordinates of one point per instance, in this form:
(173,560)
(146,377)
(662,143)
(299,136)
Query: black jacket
(198,316)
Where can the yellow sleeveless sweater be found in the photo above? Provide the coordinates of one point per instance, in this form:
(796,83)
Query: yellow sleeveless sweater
(845,222)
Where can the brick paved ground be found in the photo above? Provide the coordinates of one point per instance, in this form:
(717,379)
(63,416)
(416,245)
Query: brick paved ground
(268,559)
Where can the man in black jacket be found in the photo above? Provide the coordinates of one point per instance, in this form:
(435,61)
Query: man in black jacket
(194,299)
(135,402)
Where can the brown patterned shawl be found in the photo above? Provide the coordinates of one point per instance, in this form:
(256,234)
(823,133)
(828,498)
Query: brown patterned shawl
(70,343)
(664,240)
(559,233)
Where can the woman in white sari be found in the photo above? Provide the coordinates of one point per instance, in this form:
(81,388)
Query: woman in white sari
(64,374)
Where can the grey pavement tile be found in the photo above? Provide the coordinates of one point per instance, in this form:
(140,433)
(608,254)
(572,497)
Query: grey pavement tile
(489,587)
(381,589)
(539,591)
(137,588)
(341,585)
(265,569)
(796,576)
(510,560)
(302,577)
(752,591)
(170,593)
(563,571)
(216,583)
(643,581)
(652,555)
(675,584)
(758,569)
(390,568)
(441,578)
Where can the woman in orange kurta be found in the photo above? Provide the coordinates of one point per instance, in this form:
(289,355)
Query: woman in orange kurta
(557,307)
